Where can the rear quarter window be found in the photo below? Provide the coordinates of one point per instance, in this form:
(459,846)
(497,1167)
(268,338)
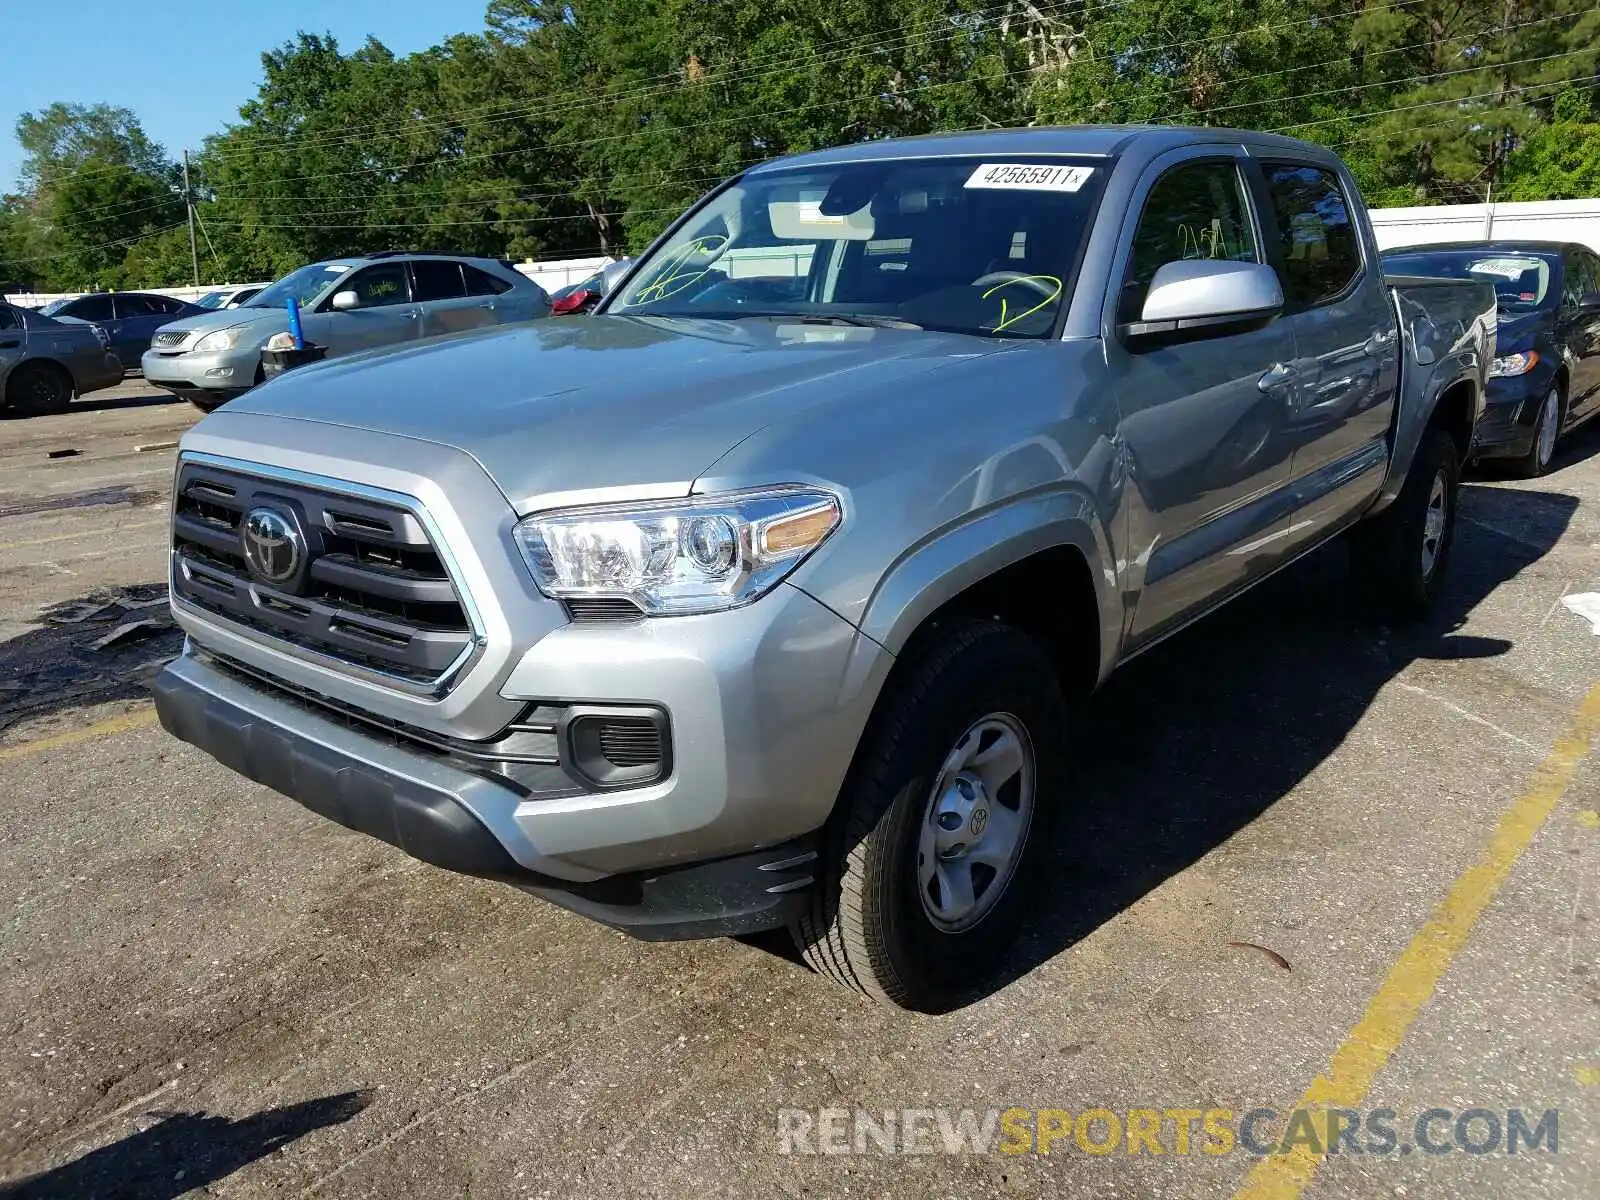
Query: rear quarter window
(1316,233)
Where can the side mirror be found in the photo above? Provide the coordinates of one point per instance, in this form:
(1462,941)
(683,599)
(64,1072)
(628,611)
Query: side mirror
(346,300)
(612,275)
(1204,297)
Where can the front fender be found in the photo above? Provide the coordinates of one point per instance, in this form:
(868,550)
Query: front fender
(941,567)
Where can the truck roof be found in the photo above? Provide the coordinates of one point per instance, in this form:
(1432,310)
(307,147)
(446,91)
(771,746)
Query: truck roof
(1098,141)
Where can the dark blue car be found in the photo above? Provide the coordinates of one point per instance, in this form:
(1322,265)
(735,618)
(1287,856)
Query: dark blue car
(130,319)
(1546,377)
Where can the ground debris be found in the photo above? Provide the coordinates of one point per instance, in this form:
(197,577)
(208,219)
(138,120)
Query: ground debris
(108,606)
(133,631)
(1272,955)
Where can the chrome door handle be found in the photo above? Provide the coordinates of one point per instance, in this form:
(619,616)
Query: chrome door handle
(1281,375)
(413,315)
(1376,344)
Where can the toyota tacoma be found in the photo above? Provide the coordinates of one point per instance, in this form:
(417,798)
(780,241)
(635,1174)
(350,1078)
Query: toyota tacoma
(758,599)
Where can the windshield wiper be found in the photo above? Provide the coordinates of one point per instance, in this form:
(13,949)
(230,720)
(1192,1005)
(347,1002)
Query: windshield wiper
(868,320)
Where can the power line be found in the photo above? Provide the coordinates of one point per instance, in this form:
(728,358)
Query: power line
(127,241)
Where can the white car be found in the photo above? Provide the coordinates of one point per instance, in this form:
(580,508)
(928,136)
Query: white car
(229,297)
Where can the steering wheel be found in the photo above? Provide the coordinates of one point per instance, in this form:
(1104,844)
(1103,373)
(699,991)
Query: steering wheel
(1047,288)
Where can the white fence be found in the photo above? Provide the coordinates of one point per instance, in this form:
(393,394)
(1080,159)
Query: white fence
(1541,221)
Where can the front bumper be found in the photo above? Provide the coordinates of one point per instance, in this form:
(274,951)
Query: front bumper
(1511,406)
(223,373)
(430,810)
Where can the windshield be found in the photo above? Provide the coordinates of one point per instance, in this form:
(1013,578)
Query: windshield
(958,244)
(1521,281)
(55,306)
(211,300)
(305,285)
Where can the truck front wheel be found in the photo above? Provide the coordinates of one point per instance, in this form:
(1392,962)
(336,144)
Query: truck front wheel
(1402,554)
(935,848)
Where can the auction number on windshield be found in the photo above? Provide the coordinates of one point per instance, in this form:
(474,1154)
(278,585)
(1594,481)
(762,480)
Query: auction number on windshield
(1029,177)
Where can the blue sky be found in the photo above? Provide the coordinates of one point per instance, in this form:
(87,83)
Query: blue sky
(184,66)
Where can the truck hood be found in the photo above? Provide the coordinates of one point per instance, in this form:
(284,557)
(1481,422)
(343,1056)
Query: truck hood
(643,404)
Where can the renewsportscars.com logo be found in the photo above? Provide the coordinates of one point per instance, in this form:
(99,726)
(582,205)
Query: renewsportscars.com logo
(1176,1131)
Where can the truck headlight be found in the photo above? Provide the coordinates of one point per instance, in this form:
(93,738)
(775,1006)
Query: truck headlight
(222,339)
(1514,364)
(677,557)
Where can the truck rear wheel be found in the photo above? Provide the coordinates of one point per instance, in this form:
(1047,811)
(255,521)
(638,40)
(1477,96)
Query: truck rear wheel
(1402,555)
(935,848)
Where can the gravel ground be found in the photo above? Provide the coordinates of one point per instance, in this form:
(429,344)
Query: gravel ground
(209,991)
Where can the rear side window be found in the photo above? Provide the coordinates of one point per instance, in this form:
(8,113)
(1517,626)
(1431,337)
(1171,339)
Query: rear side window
(481,283)
(1194,211)
(137,306)
(1321,251)
(436,279)
(1581,277)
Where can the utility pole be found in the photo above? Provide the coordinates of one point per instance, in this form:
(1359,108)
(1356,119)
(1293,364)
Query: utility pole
(188,207)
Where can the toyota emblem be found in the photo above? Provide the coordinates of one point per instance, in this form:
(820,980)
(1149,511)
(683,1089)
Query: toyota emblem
(273,548)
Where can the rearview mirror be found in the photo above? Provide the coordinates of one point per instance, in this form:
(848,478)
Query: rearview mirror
(612,274)
(346,300)
(1204,297)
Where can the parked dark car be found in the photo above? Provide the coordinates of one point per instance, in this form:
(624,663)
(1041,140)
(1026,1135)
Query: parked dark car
(1546,377)
(130,319)
(44,363)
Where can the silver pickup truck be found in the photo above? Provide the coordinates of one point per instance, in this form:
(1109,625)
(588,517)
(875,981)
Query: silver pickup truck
(757,599)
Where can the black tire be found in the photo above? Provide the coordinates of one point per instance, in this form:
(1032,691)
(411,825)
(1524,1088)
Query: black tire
(38,389)
(1400,580)
(869,929)
(1537,461)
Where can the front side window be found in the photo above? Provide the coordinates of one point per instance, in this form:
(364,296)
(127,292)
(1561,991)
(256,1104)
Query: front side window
(134,305)
(1194,211)
(1321,250)
(959,244)
(378,286)
(87,308)
(1521,281)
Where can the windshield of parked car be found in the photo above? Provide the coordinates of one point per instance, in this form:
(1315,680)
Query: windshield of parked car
(55,306)
(212,300)
(305,285)
(963,244)
(1521,281)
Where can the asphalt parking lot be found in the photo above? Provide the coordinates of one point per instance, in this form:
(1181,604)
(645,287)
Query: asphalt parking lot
(1305,848)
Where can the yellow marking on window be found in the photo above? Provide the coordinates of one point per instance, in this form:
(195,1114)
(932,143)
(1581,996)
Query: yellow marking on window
(672,273)
(1006,320)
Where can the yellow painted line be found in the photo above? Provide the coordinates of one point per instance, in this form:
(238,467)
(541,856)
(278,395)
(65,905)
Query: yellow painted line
(1411,981)
(1589,819)
(78,537)
(1587,1075)
(136,719)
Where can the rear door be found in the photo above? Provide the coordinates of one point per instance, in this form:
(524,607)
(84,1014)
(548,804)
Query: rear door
(1201,420)
(99,311)
(1348,365)
(440,288)
(385,314)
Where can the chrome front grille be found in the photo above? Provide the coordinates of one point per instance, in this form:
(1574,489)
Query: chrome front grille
(369,591)
(165,341)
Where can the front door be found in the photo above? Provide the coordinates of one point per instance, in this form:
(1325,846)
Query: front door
(1202,421)
(385,314)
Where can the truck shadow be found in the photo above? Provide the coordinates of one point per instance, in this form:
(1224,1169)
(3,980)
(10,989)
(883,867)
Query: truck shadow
(1191,742)
(183,1152)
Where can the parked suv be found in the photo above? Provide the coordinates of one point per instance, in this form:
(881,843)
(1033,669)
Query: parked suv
(1546,378)
(754,600)
(361,303)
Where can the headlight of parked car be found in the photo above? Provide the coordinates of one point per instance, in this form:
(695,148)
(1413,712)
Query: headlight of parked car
(1514,364)
(704,554)
(222,339)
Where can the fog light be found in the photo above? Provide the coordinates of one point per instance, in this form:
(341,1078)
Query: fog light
(218,372)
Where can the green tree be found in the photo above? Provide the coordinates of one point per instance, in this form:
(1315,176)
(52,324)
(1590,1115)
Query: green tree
(1559,160)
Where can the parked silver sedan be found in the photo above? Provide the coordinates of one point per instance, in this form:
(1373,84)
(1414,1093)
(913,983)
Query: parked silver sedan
(365,302)
(44,362)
